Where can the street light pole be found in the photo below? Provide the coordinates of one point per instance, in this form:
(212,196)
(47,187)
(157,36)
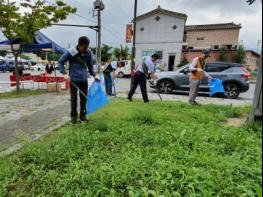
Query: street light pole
(99,5)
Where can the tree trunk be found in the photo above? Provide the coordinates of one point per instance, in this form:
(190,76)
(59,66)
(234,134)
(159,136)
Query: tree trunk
(16,68)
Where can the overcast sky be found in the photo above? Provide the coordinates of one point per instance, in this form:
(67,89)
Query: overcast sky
(120,12)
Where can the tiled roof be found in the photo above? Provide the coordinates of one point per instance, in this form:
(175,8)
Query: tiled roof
(159,10)
(212,27)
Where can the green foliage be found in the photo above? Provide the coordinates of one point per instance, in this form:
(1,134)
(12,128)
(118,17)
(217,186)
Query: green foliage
(183,62)
(21,94)
(240,56)
(132,149)
(49,55)
(37,15)
(121,53)
(106,53)
(222,55)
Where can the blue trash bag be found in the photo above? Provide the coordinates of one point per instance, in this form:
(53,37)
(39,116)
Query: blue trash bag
(96,98)
(216,86)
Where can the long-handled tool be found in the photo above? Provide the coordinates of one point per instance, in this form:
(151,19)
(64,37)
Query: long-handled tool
(114,88)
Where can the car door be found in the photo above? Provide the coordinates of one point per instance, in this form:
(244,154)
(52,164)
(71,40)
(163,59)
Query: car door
(216,70)
(182,79)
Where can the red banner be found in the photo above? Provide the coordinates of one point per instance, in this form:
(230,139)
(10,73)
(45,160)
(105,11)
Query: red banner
(129,33)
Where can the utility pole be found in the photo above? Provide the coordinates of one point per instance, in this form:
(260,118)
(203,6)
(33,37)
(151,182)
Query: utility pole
(134,41)
(134,35)
(99,6)
(256,111)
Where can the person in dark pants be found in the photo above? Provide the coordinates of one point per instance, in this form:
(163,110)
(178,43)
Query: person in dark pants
(141,75)
(80,62)
(49,68)
(109,75)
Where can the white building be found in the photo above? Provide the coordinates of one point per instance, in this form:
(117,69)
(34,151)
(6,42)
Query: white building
(160,31)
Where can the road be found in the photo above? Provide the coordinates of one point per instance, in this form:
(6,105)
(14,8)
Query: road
(123,86)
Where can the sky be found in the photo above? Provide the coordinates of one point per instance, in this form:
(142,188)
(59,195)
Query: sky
(118,13)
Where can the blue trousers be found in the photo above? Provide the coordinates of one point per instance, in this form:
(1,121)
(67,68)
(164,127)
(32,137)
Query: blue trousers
(108,83)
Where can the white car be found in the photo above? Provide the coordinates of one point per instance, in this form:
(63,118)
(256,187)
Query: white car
(38,68)
(124,71)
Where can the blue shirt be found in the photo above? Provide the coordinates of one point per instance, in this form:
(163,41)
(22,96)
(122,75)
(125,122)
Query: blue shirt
(79,65)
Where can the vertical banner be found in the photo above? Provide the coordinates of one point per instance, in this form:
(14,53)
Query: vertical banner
(129,33)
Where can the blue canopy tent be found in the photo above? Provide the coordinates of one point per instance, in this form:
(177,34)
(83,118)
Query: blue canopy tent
(40,42)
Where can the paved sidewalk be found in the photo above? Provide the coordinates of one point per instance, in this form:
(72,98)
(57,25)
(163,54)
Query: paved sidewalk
(31,117)
(184,98)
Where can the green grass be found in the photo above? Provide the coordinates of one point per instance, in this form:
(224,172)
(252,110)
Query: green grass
(21,94)
(164,149)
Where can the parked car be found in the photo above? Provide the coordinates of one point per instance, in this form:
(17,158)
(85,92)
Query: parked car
(234,76)
(38,68)
(3,67)
(124,71)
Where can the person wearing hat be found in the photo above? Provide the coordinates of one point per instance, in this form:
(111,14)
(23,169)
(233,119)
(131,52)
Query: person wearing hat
(197,72)
(80,63)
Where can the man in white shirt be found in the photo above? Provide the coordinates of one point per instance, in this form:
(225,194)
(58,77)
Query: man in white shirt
(141,75)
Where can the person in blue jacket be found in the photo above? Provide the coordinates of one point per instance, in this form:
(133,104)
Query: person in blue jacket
(80,63)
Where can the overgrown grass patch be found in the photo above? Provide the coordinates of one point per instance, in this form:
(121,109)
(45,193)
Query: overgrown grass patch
(22,93)
(132,149)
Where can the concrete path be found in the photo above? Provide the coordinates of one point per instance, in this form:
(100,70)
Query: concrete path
(28,118)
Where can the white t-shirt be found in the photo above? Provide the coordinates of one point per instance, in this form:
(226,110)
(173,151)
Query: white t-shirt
(149,63)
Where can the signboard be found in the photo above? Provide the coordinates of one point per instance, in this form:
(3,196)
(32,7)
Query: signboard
(129,33)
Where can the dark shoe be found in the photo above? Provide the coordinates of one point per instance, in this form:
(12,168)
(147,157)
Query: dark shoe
(130,99)
(146,102)
(196,103)
(74,120)
(83,118)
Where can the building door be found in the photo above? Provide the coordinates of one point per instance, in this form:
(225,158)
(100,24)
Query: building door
(171,62)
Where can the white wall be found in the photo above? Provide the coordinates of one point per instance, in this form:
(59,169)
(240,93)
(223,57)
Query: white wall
(168,48)
(160,36)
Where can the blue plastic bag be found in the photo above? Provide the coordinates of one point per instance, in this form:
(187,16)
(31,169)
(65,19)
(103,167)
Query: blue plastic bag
(96,98)
(216,86)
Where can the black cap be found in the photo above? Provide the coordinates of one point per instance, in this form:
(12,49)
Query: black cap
(84,41)
(156,56)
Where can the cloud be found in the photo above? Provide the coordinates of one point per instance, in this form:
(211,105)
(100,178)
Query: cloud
(118,13)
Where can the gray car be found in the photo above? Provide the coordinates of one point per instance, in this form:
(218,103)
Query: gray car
(234,76)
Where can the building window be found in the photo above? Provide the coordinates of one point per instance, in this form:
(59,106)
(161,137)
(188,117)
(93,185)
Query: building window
(151,52)
(229,46)
(157,18)
(200,38)
(160,53)
(216,47)
(174,27)
(185,36)
(147,53)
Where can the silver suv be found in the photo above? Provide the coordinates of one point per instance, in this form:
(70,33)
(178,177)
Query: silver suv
(234,76)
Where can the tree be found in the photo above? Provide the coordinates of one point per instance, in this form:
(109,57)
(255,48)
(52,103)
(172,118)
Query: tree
(222,55)
(121,53)
(240,55)
(105,53)
(183,62)
(36,15)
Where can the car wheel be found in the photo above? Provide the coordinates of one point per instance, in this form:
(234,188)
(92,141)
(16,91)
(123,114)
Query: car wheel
(165,87)
(232,90)
(121,75)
